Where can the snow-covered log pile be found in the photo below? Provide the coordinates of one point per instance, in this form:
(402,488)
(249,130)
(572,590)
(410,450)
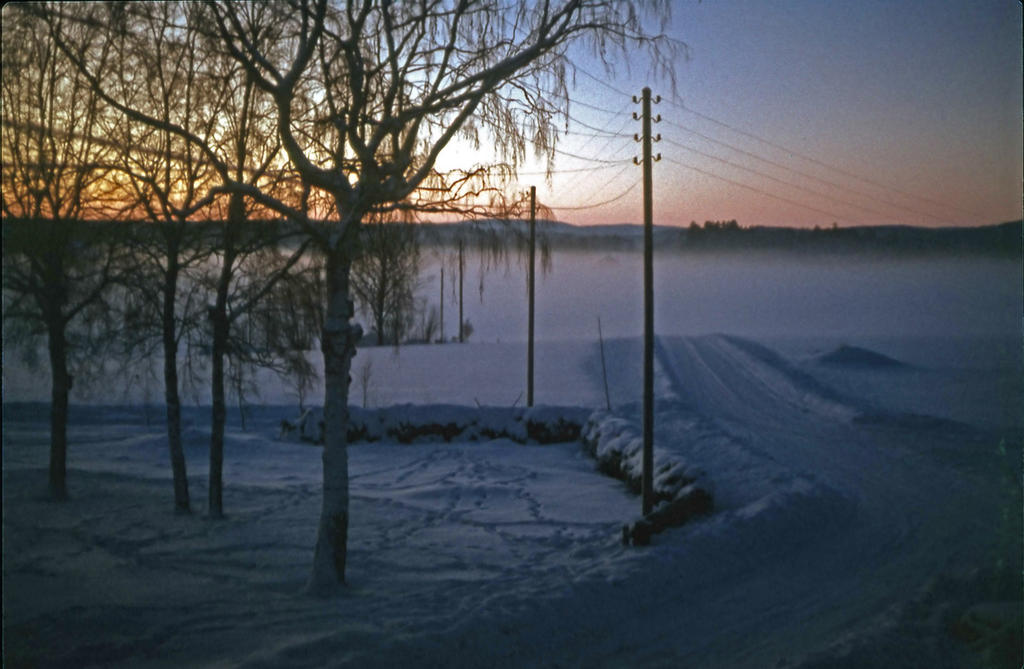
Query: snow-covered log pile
(681,491)
(407,423)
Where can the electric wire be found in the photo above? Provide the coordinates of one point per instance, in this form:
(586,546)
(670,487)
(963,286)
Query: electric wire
(772,178)
(572,170)
(596,204)
(587,105)
(598,188)
(603,130)
(793,153)
(607,143)
(797,154)
(592,135)
(602,161)
(602,82)
(761,191)
(801,173)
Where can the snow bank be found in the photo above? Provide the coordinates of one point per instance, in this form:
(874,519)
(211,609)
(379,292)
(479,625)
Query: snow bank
(408,423)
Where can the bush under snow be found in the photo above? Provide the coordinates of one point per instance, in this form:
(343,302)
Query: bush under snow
(617,445)
(681,492)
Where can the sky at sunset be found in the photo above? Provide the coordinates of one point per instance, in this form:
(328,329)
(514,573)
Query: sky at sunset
(806,112)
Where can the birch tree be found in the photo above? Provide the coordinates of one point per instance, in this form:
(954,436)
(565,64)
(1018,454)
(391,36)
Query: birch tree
(164,179)
(385,274)
(57,267)
(217,148)
(367,95)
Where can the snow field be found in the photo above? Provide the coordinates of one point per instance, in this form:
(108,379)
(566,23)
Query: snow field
(828,538)
(442,535)
(861,512)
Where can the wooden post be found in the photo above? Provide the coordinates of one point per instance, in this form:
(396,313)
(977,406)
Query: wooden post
(532,286)
(604,369)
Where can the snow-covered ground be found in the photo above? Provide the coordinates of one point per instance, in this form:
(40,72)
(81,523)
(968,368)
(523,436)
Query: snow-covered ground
(866,513)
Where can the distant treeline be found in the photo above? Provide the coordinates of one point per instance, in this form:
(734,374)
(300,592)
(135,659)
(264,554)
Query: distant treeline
(999,240)
(1003,239)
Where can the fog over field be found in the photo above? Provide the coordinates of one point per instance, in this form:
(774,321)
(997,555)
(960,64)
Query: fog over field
(752,294)
(797,302)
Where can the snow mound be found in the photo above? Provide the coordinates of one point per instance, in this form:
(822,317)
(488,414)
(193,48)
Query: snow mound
(854,356)
(408,423)
(777,377)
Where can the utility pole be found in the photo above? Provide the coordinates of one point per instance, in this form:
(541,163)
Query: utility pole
(442,299)
(647,478)
(462,268)
(532,285)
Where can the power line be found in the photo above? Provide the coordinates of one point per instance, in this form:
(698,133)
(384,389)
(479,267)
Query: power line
(758,190)
(736,165)
(604,146)
(806,175)
(891,189)
(603,110)
(602,161)
(598,189)
(573,170)
(602,82)
(604,131)
(595,205)
(591,135)
(768,176)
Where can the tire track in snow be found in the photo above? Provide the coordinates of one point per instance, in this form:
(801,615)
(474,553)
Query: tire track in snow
(863,508)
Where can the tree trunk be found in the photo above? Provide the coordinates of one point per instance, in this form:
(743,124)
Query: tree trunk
(339,345)
(380,322)
(219,322)
(172,398)
(60,388)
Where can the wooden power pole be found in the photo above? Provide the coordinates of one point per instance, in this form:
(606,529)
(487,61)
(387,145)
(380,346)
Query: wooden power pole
(462,269)
(647,478)
(532,284)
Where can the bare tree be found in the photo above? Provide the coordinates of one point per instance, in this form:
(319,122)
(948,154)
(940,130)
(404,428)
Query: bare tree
(276,332)
(367,95)
(249,266)
(385,274)
(230,129)
(165,179)
(57,268)
(291,318)
(496,243)
(428,325)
